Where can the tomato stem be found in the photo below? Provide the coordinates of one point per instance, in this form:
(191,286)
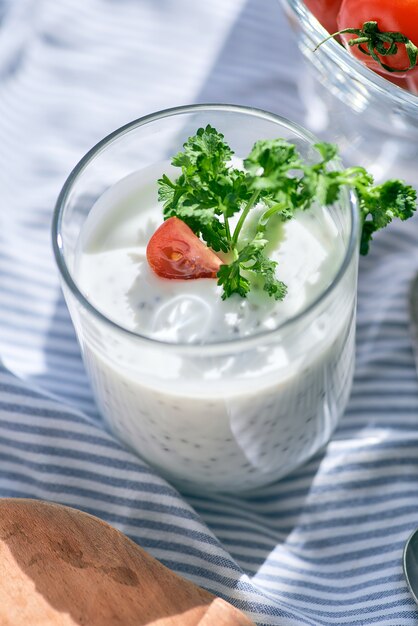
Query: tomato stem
(379,44)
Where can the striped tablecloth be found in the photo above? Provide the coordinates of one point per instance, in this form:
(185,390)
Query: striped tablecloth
(324,545)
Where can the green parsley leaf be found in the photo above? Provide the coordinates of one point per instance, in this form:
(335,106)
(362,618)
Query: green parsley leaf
(266,269)
(231,279)
(273,157)
(380,204)
(206,151)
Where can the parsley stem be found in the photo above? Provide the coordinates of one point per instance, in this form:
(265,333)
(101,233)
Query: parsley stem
(251,203)
(276,208)
(227,229)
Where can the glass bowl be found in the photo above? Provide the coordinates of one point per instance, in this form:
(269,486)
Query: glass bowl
(374,121)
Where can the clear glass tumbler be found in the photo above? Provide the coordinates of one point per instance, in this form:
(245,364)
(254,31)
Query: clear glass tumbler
(228,416)
(374,121)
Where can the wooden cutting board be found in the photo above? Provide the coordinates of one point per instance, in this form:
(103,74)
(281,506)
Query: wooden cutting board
(62,567)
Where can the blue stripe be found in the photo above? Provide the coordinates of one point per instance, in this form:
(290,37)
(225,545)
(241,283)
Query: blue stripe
(72,453)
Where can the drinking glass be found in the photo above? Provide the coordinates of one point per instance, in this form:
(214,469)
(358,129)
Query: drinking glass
(224,416)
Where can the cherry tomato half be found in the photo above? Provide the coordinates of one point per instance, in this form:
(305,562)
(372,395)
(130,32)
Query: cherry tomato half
(326,12)
(174,251)
(390,15)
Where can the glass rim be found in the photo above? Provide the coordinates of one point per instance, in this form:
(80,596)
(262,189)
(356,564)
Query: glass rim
(347,62)
(57,241)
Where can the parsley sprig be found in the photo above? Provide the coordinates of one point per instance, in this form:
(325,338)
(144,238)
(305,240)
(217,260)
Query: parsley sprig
(210,191)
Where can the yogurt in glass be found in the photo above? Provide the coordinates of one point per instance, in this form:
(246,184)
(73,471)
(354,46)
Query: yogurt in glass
(217,395)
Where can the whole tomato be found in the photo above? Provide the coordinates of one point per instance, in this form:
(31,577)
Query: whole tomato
(325,12)
(391,15)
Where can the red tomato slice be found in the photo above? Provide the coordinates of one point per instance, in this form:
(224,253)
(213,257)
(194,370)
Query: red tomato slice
(326,12)
(174,251)
(390,15)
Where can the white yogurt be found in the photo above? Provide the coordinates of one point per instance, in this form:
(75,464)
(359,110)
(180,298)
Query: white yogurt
(242,415)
